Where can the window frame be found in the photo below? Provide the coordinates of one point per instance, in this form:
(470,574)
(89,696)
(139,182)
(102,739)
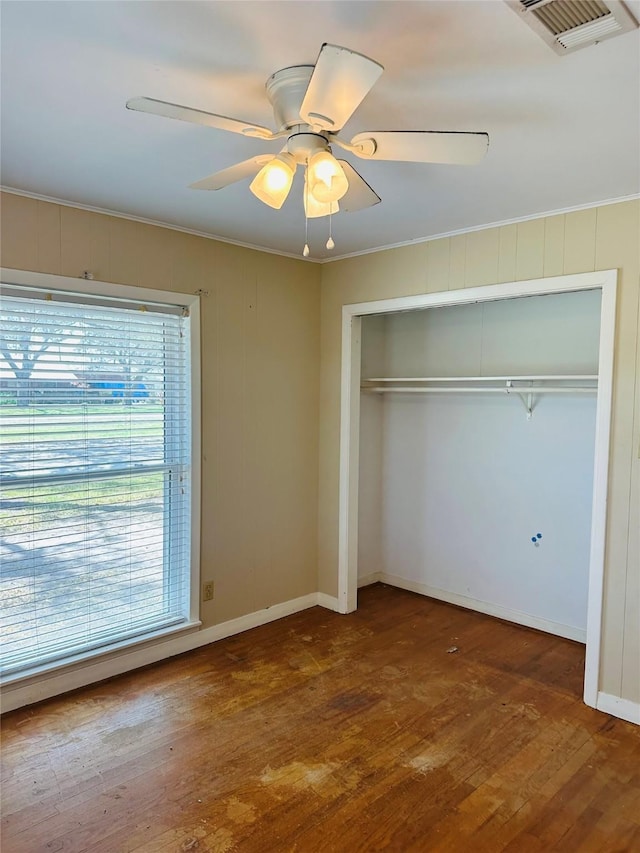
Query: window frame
(38,282)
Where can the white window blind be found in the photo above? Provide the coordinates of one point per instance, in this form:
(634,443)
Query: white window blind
(94,474)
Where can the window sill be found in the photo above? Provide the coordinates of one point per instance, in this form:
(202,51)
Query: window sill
(96,665)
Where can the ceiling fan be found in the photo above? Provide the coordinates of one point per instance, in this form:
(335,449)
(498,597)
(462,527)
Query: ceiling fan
(311,104)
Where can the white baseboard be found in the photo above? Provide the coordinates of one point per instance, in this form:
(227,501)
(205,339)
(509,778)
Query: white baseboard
(517,616)
(367,580)
(328,601)
(36,688)
(618,707)
(614,705)
(19,694)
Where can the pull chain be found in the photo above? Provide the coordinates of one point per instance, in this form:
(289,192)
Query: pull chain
(330,243)
(305,251)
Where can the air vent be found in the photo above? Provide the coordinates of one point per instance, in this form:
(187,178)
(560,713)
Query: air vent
(558,16)
(567,25)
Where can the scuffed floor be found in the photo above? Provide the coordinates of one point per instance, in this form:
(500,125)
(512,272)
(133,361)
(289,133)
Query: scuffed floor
(323,732)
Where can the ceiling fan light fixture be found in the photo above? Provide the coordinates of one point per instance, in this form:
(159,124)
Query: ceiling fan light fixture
(311,105)
(326,177)
(314,208)
(272,183)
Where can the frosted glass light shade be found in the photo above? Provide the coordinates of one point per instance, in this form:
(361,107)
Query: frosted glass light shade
(314,208)
(273,182)
(327,180)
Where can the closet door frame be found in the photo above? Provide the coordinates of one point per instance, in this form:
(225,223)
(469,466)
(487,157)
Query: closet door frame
(606,282)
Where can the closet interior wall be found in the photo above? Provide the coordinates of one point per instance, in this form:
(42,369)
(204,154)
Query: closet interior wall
(455,487)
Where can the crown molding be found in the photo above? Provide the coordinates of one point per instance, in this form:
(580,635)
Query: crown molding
(499,224)
(157,222)
(160,224)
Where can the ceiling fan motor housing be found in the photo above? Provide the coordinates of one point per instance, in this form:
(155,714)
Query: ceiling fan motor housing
(286,90)
(304,145)
(311,106)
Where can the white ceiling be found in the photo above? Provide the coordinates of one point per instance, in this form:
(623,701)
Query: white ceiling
(565,131)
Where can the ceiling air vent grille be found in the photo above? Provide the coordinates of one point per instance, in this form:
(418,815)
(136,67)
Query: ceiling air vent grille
(567,25)
(562,15)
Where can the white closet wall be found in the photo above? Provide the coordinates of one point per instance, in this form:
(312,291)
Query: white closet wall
(453,487)
(370,501)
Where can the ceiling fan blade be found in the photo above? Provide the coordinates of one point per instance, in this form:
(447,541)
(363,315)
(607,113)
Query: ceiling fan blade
(340,81)
(167,110)
(423,146)
(220,180)
(359,195)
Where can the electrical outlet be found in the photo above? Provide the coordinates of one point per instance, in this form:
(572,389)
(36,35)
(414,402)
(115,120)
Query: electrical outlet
(207,591)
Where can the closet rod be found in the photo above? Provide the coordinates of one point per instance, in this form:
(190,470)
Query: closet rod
(461,390)
(512,378)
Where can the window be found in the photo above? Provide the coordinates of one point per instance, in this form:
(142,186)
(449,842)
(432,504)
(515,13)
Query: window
(95,468)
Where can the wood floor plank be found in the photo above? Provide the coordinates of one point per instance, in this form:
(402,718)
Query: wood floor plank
(323,732)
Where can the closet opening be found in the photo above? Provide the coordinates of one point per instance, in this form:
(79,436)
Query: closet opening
(474,451)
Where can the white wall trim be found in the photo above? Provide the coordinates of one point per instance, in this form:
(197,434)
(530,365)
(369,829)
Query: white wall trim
(570,632)
(473,228)
(87,287)
(606,281)
(156,222)
(349,449)
(195,497)
(442,235)
(36,688)
(484,293)
(330,602)
(367,580)
(595,593)
(617,707)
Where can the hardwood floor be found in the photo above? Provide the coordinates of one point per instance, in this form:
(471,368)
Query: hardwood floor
(323,732)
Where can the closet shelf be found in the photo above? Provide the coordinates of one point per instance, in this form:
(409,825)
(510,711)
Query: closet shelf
(568,377)
(523,387)
(508,389)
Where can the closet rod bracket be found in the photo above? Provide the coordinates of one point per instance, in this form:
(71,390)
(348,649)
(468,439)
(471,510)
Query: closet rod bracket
(527,401)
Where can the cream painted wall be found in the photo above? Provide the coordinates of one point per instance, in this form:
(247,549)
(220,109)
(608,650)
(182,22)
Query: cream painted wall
(260,357)
(265,506)
(599,238)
